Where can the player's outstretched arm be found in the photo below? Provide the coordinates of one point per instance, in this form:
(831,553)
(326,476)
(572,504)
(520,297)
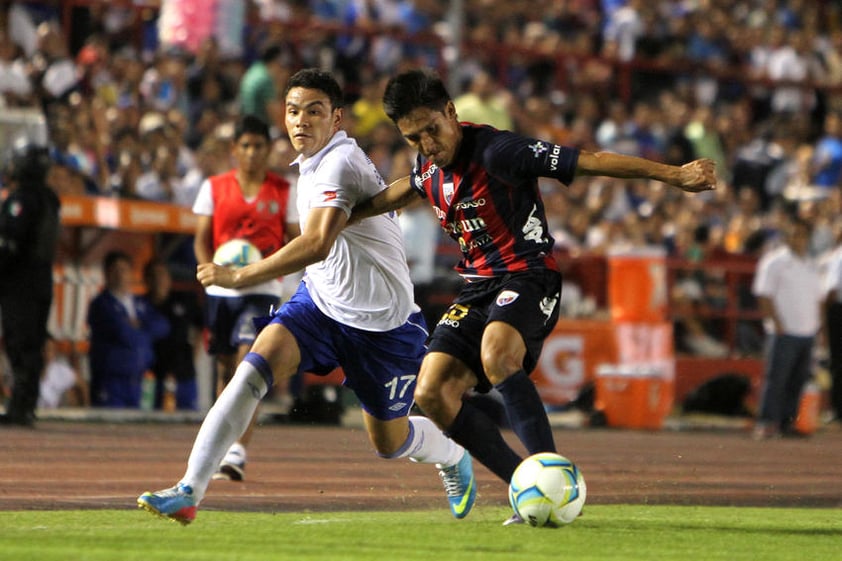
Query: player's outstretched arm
(698,175)
(313,245)
(397,195)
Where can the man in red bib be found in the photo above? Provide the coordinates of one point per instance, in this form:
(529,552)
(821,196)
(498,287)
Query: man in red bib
(244,214)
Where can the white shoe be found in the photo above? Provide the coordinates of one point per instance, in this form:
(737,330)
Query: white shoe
(233,465)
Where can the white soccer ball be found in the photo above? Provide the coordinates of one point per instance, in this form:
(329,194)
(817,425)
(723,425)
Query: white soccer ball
(236,253)
(547,490)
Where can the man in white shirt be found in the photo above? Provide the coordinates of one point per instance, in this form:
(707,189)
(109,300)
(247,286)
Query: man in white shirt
(354,309)
(789,291)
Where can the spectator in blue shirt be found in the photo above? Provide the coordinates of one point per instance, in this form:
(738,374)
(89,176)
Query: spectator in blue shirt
(124,327)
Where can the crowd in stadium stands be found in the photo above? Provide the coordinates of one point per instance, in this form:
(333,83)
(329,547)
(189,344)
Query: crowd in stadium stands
(752,84)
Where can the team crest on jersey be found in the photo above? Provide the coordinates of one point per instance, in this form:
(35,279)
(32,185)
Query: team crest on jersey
(447,190)
(506,297)
(272,207)
(538,148)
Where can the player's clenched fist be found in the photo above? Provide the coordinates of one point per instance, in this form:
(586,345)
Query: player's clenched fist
(211,273)
(698,175)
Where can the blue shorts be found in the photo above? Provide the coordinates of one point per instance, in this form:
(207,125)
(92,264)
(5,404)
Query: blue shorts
(230,320)
(380,367)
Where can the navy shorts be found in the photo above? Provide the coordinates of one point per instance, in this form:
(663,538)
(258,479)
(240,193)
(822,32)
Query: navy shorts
(527,301)
(230,320)
(380,367)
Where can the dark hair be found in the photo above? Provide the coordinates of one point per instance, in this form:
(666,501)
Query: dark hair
(315,79)
(413,89)
(113,257)
(797,222)
(251,124)
(270,52)
(28,163)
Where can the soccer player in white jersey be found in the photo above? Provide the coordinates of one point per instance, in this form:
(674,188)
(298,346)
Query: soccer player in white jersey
(354,309)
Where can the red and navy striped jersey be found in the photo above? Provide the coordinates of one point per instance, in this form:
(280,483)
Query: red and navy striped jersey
(488,199)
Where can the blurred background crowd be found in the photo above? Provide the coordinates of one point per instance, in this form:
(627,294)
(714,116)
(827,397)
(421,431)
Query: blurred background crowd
(138,100)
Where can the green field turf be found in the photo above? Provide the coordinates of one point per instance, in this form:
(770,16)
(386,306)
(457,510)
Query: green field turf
(625,532)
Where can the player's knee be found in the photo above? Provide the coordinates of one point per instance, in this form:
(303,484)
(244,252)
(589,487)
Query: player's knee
(389,446)
(499,364)
(427,397)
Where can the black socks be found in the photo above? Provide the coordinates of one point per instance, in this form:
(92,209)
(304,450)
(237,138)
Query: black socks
(474,430)
(526,413)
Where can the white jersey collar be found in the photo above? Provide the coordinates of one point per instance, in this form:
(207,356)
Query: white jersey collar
(305,164)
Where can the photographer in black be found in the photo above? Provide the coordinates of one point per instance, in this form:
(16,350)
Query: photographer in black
(29,226)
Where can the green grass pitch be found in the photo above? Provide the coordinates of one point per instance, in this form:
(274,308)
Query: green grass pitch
(604,532)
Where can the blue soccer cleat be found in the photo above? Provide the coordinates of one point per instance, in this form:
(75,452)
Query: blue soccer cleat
(460,485)
(176,503)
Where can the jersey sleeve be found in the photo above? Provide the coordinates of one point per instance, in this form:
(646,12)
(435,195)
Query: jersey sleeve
(514,156)
(415,179)
(763,283)
(334,185)
(203,205)
(292,208)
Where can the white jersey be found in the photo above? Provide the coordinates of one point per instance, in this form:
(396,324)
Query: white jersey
(794,285)
(364,281)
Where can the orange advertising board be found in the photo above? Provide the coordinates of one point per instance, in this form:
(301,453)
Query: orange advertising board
(577,350)
(570,357)
(126,215)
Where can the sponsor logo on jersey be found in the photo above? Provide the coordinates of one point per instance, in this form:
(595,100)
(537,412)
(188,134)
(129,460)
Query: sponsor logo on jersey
(462,205)
(454,314)
(467,225)
(554,157)
(506,297)
(533,230)
(475,243)
(419,179)
(538,148)
(397,406)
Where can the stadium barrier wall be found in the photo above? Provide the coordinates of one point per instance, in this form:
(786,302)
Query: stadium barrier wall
(634,339)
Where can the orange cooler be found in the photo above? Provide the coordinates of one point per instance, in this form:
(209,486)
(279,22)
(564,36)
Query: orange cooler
(638,398)
(637,285)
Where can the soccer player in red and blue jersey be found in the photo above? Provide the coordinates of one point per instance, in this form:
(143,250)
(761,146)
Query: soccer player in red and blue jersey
(483,185)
